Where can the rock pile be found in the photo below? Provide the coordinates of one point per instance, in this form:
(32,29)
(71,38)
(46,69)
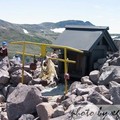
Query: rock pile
(96,96)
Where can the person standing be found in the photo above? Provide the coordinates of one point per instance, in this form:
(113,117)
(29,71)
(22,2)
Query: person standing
(54,54)
(3,50)
(4,54)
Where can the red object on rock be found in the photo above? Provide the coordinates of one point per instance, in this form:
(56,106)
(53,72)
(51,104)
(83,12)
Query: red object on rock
(66,76)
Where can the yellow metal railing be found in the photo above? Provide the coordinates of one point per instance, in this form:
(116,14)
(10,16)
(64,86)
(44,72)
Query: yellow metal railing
(43,54)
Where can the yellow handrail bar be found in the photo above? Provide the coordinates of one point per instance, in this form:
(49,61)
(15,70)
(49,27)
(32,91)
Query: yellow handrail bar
(43,54)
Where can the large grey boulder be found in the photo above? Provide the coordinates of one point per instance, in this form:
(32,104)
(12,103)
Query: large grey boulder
(22,100)
(111,73)
(106,64)
(86,80)
(103,91)
(4,63)
(80,91)
(44,111)
(107,69)
(98,99)
(13,69)
(75,85)
(115,61)
(66,103)
(4,77)
(94,76)
(59,111)
(2,98)
(7,90)
(115,92)
(16,77)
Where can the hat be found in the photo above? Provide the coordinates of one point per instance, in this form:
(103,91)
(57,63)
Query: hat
(16,55)
(4,43)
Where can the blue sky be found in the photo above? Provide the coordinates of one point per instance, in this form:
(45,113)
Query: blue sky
(98,12)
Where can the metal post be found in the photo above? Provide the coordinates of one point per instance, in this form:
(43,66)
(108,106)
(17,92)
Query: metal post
(23,61)
(65,69)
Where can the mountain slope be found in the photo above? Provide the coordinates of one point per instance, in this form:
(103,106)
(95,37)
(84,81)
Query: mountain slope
(14,32)
(62,24)
(50,25)
(44,29)
(41,33)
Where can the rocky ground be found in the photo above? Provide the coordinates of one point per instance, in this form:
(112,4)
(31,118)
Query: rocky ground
(85,99)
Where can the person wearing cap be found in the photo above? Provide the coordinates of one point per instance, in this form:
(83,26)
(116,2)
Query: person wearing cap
(17,58)
(3,50)
(4,54)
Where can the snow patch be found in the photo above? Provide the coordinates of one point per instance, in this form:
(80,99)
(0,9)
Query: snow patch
(25,31)
(58,30)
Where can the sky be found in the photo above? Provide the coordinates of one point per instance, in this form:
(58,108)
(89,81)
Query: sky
(98,12)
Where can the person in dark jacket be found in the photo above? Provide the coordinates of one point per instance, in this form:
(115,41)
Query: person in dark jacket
(3,50)
(4,54)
